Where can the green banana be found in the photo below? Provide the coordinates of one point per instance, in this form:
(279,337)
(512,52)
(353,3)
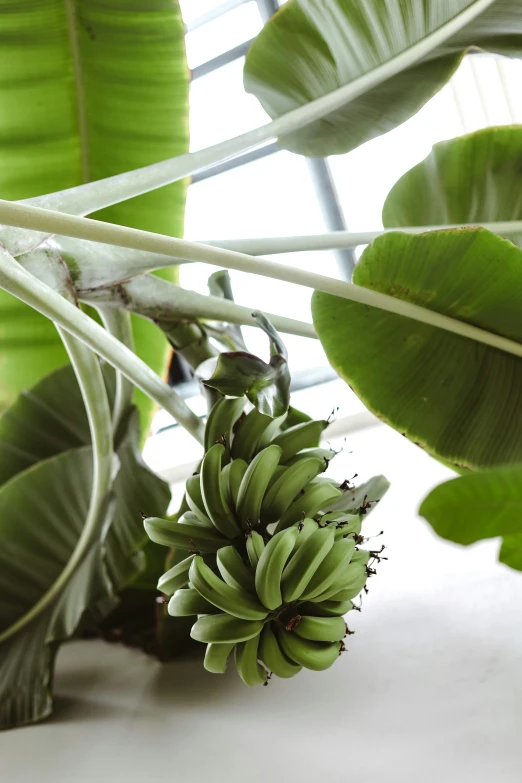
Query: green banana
(361,556)
(299,437)
(216,656)
(315,496)
(220,420)
(273,657)
(231,478)
(175,577)
(227,598)
(304,563)
(326,608)
(254,484)
(270,432)
(355,587)
(222,628)
(254,547)
(305,530)
(248,667)
(234,571)
(312,655)
(186,602)
(344,594)
(270,567)
(247,434)
(278,472)
(346,580)
(188,537)
(212,492)
(324,454)
(194,498)
(321,629)
(288,486)
(189,518)
(334,567)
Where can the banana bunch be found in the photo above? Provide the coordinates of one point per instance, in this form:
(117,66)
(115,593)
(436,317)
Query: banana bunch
(254,474)
(279,605)
(267,572)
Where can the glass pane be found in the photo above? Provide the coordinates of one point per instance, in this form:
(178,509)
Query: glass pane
(195,9)
(269,197)
(220,108)
(483,92)
(222,34)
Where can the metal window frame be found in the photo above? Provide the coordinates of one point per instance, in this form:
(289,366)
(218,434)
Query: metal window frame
(320,172)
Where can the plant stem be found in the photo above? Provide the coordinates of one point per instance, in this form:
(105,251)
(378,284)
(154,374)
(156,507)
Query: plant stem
(118,323)
(84,199)
(159,300)
(34,217)
(87,368)
(24,286)
(340,240)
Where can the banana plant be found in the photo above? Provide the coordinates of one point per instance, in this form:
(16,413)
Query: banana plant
(116,80)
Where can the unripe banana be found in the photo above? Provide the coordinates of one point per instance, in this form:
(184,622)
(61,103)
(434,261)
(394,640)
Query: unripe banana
(305,530)
(321,629)
(216,657)
(325,454)
(188,537)
(234,571)
(342,595)
(187,602)
(304,563)
(189,518)
(312,655)
(326,608)
(334,566)
(299,437)
(228,599)
(254,547)
(254,484)
(352,576)
(231,478)
(355,587)
(270,432)
(175,577)
(278,472)
(195,499)
(361,556)
(313,499)
(220,420)
(273,657)
(247,434)
(288,486)
(222,628)
(213,496)
(270,567)
(250,671)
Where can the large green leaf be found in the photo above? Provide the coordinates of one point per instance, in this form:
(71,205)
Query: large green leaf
(471,179)
(456,398)
(89,89)
(487,504)
(43,505)
(44,421)
(312,47)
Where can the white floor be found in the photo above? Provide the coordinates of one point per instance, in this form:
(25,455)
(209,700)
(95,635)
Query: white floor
(430,690)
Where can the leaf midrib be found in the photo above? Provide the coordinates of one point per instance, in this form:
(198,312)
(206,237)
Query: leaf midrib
(81,113)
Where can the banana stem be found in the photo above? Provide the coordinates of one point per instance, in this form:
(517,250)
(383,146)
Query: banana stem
(23,285)
(341,240)
(90,379)
(118,323)
(55,222)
